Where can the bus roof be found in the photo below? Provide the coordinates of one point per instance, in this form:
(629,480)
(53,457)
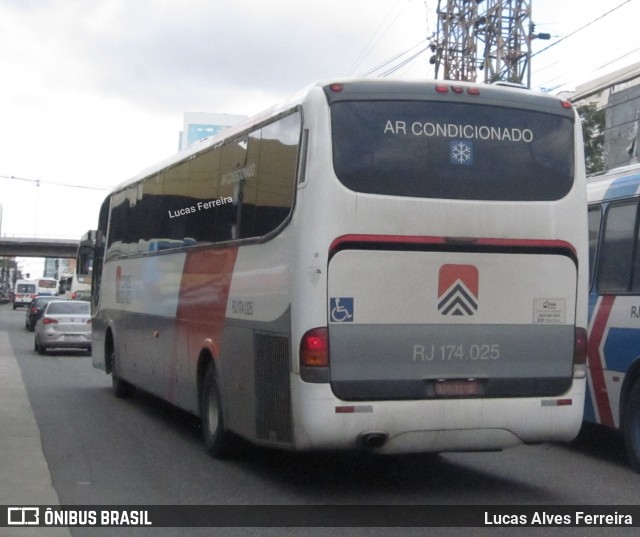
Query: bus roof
(387,89)
(617,183)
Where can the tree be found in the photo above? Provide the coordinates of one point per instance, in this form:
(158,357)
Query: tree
(593,134)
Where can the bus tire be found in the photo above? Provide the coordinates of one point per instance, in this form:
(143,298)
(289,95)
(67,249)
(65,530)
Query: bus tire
(216,438)
(632,427)
(119,387)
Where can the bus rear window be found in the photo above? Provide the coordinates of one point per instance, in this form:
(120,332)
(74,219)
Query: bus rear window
(452,150)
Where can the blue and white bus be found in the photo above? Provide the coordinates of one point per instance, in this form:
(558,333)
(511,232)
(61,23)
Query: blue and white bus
(613,397)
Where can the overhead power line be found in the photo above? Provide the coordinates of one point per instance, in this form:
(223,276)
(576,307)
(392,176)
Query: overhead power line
(39,182)
(581,28)
(395,58)
(631,73)
(405,62)
(375,38)
(617,59)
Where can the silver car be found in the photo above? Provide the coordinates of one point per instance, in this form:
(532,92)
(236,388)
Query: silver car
(65,324)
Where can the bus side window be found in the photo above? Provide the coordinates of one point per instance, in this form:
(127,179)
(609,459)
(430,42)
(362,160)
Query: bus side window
(620,236)
(635,285)
(595,218)
(278,168)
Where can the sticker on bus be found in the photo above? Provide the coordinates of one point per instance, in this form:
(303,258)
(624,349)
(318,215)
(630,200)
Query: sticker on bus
(341,309)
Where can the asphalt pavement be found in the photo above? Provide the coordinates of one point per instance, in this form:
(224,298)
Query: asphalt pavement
(24,473)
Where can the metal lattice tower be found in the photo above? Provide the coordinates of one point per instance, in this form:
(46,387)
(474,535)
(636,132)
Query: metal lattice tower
(455,47)
(501,31)
(506,36)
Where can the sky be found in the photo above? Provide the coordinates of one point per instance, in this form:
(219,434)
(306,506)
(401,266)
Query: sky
(94,91)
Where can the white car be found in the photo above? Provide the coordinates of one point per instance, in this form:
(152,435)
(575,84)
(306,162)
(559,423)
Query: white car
(65,324)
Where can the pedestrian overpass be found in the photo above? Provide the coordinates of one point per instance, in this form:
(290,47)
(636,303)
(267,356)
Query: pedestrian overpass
(38,247)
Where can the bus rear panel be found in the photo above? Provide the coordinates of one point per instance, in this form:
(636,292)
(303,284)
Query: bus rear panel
(455,292)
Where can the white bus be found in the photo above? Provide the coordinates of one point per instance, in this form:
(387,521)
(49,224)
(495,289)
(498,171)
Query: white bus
(81,280)
(613,398)
(387,265)
(46,286)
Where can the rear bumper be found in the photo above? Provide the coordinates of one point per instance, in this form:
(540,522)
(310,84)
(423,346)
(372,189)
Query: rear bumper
(64,342)
(321,421)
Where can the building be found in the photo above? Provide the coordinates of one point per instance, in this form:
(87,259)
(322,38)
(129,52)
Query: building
(618,94)
(199,125)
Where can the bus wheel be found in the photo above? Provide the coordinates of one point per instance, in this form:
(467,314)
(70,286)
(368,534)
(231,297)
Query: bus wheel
(632,427)
(216,438)
(120,388)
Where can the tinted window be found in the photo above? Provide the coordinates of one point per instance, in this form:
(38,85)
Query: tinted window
(242,189)
(617,248)
(278,166)
(452,150)
(595,216)
(26,288)
(66,308)
(42,302)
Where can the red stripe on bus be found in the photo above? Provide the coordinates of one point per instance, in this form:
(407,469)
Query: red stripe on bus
(202,302)
(475,241)
(596,360)
(205,285)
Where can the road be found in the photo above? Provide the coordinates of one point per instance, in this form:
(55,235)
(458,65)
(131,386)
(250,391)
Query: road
(103,450)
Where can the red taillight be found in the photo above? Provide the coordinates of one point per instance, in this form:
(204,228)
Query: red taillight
(314,348)
(336,87)
(565,104)
(580,347)
(74,295)
(458,90)
(49,320)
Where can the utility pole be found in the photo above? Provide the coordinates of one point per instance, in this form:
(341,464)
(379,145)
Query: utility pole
(507,41)
(455,49)
(491,36)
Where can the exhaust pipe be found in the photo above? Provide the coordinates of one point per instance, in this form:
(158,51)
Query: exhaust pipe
(372,440)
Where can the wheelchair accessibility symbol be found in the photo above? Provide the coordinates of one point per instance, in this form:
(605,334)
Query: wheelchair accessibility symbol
(341,309)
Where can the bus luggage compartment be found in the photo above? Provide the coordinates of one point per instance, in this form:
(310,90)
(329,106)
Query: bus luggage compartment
(433,324)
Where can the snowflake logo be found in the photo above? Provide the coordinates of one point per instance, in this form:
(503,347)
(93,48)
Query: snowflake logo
(461,153)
